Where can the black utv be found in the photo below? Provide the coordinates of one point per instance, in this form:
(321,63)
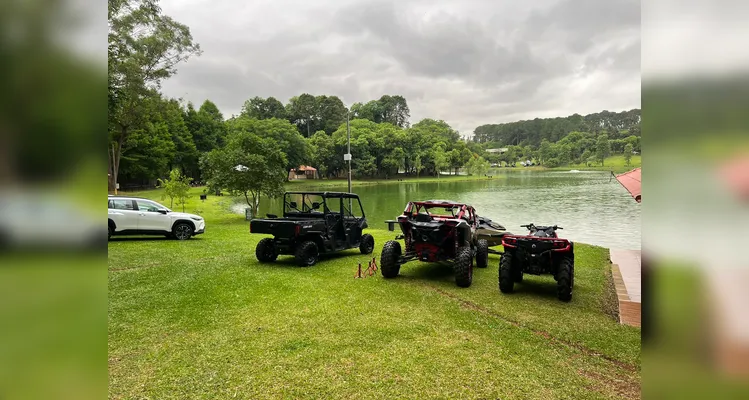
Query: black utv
(313,224)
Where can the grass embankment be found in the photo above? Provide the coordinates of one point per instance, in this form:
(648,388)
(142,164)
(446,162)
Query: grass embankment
(204,319)
(617,164)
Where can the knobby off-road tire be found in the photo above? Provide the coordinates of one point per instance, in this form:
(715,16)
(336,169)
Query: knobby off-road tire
(506,278)
(482,253)
(565,279)
(389,266)
(307,254)
(266,250)
(182,231)
(464,267)
(367,244)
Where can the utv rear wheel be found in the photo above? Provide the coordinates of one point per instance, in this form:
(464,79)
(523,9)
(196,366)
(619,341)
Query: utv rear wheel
(389,266)
(307,254)
(464,267)
(506,281)
(482,253)
(367,244)
(266,250)
(564,279)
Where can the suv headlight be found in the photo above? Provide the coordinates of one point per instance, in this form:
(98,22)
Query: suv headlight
(196,218)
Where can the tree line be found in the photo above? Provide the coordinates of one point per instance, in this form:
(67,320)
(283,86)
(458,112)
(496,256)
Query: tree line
(151,135)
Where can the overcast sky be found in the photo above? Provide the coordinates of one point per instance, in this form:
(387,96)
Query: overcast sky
(468,62)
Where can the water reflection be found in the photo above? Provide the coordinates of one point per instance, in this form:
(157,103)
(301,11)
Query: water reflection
(591,206)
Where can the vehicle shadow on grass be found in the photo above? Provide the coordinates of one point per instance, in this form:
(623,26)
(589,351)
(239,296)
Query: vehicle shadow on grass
(288,261)
(538,287)
(437,272)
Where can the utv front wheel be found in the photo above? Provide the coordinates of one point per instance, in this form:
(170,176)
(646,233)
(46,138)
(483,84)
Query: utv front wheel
(464,267)
(506,278)
(389,266)
(367,244)
(307,253)
(564,279)
(482,253)
(266,250)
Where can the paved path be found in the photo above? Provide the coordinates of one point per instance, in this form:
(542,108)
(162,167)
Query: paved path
(626,269)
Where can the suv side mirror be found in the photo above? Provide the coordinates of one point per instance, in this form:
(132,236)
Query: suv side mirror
(162,211)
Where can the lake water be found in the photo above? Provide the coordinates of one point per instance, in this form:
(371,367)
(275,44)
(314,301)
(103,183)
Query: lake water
(591,206)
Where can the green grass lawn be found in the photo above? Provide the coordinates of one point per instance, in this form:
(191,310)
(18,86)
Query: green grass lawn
(204,319)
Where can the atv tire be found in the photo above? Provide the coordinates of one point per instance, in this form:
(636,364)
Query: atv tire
(517,275)
(266,250)
(391,253)
(307,254)
(482,253)
(565,279)
(367,243)
(506,276)
(464,267)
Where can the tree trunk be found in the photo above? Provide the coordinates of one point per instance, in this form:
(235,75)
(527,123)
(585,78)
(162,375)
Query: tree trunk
(115,158)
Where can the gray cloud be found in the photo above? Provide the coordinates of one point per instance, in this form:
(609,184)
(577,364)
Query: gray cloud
(469,63)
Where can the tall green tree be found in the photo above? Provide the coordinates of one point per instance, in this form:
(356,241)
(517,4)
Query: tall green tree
(302,111)
(144,47)
(603,148)
(248,165)
(628,149)
(281,132)
(260,108)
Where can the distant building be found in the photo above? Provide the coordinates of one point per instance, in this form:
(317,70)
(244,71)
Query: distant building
(303,172)
(497,151)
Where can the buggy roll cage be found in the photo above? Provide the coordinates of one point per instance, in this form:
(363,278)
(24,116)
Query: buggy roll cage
(465,212)
(310,207)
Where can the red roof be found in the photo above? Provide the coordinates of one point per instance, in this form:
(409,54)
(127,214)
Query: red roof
(305,168)
(632,182)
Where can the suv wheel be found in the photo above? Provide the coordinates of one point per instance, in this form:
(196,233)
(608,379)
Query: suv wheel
(182,231)
(111,232)
(367,244)
(464,267)
(266,250)
(307,254)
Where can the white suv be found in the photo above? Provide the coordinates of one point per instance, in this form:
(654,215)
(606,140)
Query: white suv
(137,216)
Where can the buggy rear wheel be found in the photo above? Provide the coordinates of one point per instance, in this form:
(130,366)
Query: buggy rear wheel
(307,254)
(266,250)
(482,253)
(565,279)
(506,278)
(391,253)
(464,267)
